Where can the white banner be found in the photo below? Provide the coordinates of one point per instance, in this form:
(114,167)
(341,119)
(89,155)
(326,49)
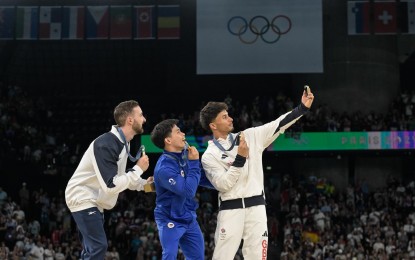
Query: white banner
(267,36)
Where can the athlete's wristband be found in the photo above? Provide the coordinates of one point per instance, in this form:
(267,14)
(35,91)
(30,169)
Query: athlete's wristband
(239,161)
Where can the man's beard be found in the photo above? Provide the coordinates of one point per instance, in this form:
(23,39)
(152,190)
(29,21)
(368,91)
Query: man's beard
(138,129)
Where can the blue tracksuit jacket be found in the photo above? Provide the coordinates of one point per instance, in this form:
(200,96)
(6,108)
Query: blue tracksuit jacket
(176,181)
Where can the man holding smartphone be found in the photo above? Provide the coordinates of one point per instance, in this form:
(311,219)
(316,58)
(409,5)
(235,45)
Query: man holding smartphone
(235,170)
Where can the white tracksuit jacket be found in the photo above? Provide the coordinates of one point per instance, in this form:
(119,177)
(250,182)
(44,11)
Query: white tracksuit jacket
(233,182)
(101,175)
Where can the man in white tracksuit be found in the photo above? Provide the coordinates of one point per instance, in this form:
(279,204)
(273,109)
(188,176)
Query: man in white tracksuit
(233,164)
(101,175)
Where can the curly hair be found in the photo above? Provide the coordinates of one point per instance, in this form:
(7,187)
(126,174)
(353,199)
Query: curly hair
(210,112)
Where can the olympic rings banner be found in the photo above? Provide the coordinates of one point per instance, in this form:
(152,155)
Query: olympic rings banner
(267,36)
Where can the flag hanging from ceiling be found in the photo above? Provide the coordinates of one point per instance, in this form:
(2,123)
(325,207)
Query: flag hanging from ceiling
(73,22)
(27,22)
(168,21)
(121,22)
(407,17)
(50,22)
(384,17)
(7,14)
(97,19)
(144,22)
(358,17)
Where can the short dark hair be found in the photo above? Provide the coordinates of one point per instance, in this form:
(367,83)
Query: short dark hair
(210,112)
(161,131)
(123,110)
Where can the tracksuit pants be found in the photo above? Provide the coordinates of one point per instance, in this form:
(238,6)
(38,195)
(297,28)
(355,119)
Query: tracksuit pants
(92,235)
(247,224)
(188,236)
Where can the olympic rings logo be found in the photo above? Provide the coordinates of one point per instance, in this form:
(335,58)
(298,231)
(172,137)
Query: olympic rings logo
(259,26)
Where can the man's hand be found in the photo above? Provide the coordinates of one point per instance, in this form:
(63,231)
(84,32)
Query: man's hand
(307,98)
(149,186)
(150,179)
(143,162)
(193,153)
(243,149)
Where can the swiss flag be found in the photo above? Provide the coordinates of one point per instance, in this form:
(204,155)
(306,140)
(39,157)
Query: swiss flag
(384,15)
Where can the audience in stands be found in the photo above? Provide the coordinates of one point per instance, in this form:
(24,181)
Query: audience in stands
(51,134)
(308,218)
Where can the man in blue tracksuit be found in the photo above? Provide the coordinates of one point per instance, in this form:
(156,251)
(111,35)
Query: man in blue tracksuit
(177,175)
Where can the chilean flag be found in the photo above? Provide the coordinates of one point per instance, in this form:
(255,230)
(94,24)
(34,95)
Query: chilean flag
(358,17)
(97,22)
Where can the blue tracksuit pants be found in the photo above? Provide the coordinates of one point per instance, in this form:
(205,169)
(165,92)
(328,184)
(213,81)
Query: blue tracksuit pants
(188,236)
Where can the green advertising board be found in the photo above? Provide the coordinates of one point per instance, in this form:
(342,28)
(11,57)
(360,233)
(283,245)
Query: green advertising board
(319,141)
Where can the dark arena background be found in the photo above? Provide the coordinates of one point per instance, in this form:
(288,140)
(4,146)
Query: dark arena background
(339,183)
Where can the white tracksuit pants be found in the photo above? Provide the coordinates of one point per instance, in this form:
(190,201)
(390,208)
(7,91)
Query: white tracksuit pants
(249,224)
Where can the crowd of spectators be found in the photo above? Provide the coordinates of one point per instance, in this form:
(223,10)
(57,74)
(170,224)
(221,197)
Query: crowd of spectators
(321,223)
(308,218)
(52,133)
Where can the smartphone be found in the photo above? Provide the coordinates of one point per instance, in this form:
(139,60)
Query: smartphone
(307,89)
(238,138)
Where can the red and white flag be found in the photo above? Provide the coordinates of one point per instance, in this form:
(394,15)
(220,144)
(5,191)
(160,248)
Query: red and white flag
(384,17)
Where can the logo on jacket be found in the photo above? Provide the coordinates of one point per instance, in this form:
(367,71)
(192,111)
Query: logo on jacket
(224,156)
(170,225)
(222,235)
(265,234)
(172,181)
